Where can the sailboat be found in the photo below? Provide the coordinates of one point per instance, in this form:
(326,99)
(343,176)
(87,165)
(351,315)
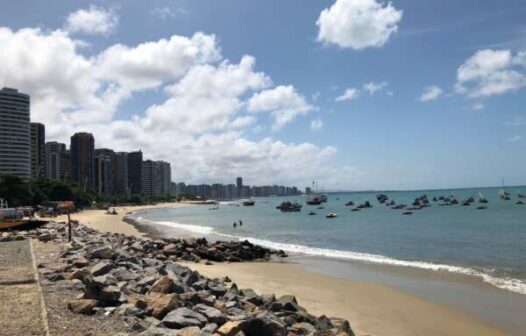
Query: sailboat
(503,194)
(482,199)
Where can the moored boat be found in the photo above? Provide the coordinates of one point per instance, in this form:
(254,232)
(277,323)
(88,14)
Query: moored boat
(289,207)
(331,215)
(249,202)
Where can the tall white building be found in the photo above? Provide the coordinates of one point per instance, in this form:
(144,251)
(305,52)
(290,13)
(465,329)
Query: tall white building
(15,148)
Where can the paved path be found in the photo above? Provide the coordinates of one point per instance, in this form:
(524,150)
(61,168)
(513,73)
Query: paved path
(20,298)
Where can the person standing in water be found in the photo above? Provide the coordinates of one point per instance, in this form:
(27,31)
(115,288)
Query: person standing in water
(240,222)
(234,225)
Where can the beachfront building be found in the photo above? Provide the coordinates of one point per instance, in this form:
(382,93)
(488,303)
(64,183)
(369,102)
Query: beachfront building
(38,150)
(103,164)
(15,148)
(120,174)
(151,178)
(165,172)
(82,160)
(58,161)
(135,172)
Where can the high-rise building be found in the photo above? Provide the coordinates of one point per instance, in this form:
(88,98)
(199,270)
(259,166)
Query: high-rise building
(135,172)
(82,160)
(151,178)
(166,177)
(38,150)
(103,163)
(120,174)
(239,182)
(15,148)
(58,161)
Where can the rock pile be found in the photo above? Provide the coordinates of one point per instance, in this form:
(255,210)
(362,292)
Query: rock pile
(142,280)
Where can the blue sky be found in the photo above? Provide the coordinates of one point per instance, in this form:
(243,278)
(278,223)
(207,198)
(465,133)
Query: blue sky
(470,132)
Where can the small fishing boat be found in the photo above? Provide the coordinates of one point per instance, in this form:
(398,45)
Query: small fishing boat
(323,198)
(519,202)
(482,199)
(314,201)
(350,203)
(520,194)
(482,207)
(407,212)
(289,207)
(331,215)
(312,213)
(249,202)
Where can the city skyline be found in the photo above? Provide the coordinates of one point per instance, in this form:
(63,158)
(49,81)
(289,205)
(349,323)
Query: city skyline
(419,101)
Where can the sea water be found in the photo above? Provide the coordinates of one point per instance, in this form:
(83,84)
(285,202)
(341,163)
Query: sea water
(489,244)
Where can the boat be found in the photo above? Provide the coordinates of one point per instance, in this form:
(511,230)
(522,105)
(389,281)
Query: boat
(312,213)
(321,208)
(350,203)
(407,212)
(482,199)
(289,207)
(482,207)
(520,194)
(13,218)
(323,198)
(503,194)
(519,202)
(314,201)
(249,202)
(355,209)
(331,215)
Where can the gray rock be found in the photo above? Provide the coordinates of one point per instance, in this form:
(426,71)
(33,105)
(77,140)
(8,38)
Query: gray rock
(212,314)
(102,267)
(184,317)
(105,252)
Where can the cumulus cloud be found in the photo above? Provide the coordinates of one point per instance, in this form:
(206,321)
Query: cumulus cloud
(491,72)
(316,124)
(432,92)
(92,21)
(201,127)
(373,87)
(283,102)
(358,24)
(348,94)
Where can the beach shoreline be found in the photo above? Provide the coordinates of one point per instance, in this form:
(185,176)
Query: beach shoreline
(360,301)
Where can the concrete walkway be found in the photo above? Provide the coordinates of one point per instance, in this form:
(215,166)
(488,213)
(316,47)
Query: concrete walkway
(20,295)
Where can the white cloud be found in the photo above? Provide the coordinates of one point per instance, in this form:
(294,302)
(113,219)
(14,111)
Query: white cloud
(283,102)
(92,21)
(166,13)
(316,124)
(517,121)
(207,98)
(201,127)
(348,94)
(149,64)
(372,87)
(432,92)
(491,72)
(515,138)
(358,24)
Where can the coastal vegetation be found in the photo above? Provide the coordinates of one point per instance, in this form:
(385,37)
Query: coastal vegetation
(34,192)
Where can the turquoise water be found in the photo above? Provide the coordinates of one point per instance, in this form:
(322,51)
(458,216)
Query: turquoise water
(487,243)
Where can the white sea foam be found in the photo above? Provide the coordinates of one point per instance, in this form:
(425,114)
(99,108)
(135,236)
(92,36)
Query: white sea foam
(514,285)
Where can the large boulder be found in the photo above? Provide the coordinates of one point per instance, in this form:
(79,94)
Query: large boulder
(231,328)
(265,324)
(82,306)
(105,252)
(212,314)
(184,317)
(102,267)
(161,304)
(163,285)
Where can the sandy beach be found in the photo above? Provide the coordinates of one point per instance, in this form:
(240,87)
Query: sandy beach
(372,309)
(101,221)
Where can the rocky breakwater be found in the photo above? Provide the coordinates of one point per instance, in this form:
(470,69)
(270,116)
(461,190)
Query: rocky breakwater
(142,280)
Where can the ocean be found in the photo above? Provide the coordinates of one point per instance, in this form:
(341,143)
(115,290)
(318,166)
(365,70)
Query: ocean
(489,244)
